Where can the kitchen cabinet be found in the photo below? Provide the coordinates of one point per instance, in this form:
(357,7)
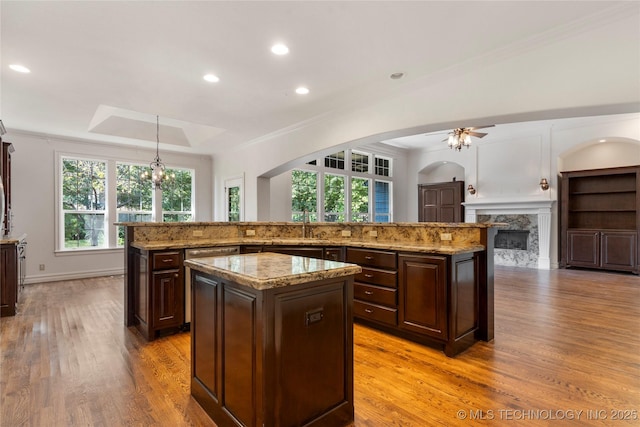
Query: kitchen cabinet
(427,298)
(159,291)
(9,278)
(441,202)
(599,219)
(328,253)
(5,171)
(375,288)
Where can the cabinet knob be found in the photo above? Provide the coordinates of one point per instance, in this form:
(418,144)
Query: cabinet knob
(368,292)
(175,275)
(368,310)
(167,260)
(368,276)
(368,257)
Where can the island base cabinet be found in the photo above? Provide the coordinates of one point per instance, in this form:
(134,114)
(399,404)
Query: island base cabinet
(277,357)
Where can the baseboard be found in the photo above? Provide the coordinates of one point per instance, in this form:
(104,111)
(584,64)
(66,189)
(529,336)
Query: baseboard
(56,277)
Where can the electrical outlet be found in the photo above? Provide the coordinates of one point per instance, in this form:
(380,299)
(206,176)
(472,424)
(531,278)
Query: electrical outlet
(41,267)
(197,233)
(251,232)
(346,233)
(445,236)
(373,233)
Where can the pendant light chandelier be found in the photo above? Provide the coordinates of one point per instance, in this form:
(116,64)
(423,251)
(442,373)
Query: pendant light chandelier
(157,167)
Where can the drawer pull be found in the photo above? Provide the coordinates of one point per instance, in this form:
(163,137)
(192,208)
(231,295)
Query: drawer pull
(368,276)
(368,292)
(368,257)
(368,310)
(167,260)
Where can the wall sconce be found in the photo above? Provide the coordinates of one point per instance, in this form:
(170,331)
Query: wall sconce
(544,184)
(471,190)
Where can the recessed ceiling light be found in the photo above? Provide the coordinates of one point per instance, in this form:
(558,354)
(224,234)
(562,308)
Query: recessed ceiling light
(279,49)
(396,76)
(603,140)
(211,78)
(302,90)
(19,68)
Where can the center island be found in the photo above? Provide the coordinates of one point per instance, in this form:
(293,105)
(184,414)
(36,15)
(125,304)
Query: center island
(272,339)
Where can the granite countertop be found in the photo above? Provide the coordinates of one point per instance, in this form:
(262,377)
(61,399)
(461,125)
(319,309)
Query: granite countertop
(267,270)
(12,240)
(444,248)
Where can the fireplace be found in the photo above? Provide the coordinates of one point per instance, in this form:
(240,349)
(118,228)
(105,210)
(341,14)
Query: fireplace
(530,219)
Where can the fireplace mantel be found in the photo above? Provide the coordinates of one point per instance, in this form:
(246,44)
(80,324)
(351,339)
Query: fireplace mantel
(539,207)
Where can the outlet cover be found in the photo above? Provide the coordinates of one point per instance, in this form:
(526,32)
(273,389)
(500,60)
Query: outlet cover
(197,233)
(373,233)
(445,236)
(251,232)
(346,233)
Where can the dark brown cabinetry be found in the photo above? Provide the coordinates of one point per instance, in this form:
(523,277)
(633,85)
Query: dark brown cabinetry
(9,277)
(329,253)
(375,288)
(5,172)
(275,357)
(599,219)
(441,202)
(159,291)
(424,298)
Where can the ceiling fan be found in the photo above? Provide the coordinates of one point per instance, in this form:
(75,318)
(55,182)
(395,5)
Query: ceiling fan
(461,137)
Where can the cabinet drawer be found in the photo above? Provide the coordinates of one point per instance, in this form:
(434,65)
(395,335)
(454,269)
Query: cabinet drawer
(375,312)
(164,260)
(375,294)
(377,277)
(373,258)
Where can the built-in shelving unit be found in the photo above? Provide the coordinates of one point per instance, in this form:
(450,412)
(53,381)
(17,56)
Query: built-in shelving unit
(599,217)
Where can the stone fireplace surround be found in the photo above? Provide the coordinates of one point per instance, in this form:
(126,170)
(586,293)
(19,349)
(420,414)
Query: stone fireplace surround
(539,208)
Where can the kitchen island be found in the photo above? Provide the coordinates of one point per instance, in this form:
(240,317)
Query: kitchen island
(272,339)
(428,282)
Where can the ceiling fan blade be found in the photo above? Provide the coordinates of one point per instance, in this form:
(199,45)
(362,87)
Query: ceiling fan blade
(480,127)
(477,134)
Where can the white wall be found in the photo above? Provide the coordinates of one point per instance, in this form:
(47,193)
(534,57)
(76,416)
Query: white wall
(34,202)
(510,168)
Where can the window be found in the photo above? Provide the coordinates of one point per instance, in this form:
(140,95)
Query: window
(95,193)
(304,195)
(83,203)
(359,162)
(360,199)
(351,196)
(335,161)
(382,197)
(383,166)
(177,196)
(334,198)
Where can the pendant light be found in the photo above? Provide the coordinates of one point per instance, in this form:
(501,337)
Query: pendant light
(157,167)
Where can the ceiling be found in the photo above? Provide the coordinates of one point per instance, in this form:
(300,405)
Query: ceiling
(103,71)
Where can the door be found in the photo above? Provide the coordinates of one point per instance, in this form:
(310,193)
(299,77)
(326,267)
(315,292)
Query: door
(583,248)
(618,250)
(168,302)
(441,202)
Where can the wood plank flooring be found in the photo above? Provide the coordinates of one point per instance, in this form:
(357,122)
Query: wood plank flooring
(566,353)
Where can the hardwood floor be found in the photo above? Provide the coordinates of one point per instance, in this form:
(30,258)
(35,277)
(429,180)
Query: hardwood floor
(567,351)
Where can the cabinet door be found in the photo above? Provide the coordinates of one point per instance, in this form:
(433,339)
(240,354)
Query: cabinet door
(583,248)
(619,250)
(168,299)
(334,254)
(422,302)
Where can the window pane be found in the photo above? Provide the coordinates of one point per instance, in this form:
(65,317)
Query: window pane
(359,162)
(234,203)
(83,203)
(359,199)
(334,198)
(133,193)
(383,166)
(304,195)
(335,161)
(83,230)
(382,199)
(177,191)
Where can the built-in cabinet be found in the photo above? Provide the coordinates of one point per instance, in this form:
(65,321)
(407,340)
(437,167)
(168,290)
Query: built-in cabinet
(423,297)
(5,172)
(9,278)
(441,202)
(599,218)
(159,291)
